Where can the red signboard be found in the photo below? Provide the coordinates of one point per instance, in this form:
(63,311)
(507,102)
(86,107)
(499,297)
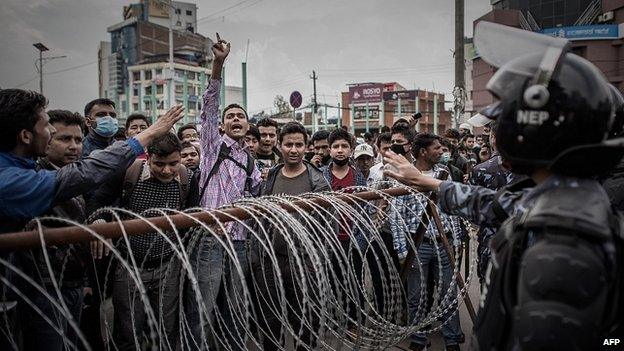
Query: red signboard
(362,93)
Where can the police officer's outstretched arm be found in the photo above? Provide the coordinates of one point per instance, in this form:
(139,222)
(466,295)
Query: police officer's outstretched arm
(83,176)
(473,203)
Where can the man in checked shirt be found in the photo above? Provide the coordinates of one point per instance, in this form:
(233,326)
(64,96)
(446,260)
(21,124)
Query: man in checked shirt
(227,174)
(431,256)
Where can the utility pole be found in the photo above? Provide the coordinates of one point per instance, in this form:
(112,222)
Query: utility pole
(460,85)
(314,104)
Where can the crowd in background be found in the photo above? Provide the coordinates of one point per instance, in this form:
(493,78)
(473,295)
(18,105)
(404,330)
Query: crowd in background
(210,164)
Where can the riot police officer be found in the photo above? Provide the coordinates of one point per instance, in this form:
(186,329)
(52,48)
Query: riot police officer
(554,281)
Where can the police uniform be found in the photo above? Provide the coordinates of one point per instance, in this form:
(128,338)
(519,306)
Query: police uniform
(489,174)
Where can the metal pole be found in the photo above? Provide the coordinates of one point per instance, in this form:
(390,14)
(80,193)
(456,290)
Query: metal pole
(222,95)
(417,108)
(339,116)
(435,113)
(171,69)
(367,118)
(459,57)
(185,97)
(40,72)
(57,236)
(244,64)
(399,102)
(352,119)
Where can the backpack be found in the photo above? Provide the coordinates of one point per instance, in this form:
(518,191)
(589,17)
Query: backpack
(225,153)
(133,173)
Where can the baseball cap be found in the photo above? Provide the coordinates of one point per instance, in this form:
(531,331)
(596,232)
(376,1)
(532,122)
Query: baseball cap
(363,149)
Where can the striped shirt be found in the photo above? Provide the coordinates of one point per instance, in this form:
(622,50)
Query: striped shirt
(228,183)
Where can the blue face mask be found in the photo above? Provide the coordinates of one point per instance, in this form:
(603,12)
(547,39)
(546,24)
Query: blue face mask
(445,158)
(107,126)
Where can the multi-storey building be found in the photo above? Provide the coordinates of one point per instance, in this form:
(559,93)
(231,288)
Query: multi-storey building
(374,105)
(595,29)
(143,38)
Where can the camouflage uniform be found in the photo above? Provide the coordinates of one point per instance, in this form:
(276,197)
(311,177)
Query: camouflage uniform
(489,174)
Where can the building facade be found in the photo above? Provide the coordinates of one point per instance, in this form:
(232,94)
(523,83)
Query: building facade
(142,38)
(104,53)
(149,90)
(550,13)
(370,106)
(600,39)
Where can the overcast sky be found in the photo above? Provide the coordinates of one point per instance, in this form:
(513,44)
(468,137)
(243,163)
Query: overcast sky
(345,41)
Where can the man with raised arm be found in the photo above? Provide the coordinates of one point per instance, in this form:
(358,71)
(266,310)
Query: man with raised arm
(228,173)
(27,192)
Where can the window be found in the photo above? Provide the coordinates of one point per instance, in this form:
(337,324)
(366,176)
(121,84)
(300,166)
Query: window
(135,91)
(179,89)
(136,75)
(148,105)
(178,23)
(148,90)
(135,107)
(159,72)
(178,11)
(159,89)
(190,75)
(148,74)
(189,13)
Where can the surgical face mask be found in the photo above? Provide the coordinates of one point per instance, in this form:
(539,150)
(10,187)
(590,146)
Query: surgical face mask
(340,162)
(398,149)
(107,126)
(445,157)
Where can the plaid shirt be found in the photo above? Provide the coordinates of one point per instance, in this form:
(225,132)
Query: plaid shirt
(405,213)
(228,184)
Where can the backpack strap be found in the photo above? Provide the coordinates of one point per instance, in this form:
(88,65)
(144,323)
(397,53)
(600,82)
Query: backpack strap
(225,153)
(130,179)
(185,177)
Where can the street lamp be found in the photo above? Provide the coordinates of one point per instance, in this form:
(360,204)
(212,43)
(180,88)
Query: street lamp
(42,60)
(41,49)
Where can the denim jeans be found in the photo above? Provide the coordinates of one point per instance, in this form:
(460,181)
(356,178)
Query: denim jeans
(131,320)
(451,331)
(37,333)
(220,286)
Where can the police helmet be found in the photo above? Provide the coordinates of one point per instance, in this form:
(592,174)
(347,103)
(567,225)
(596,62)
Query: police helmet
(556,107)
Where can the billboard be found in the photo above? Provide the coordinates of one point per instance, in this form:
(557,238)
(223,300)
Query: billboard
(360,112)
(368,92)
(158,8)
(589,32)
(403,95)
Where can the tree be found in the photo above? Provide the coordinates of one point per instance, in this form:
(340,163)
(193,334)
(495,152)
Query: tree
(283,107)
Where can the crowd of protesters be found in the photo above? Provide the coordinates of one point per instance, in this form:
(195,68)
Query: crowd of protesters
(63,164)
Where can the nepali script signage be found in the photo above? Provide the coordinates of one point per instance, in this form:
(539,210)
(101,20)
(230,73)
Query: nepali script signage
(368,92)
(589,32)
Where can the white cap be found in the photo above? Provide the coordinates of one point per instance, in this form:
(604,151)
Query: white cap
(465,126)
(363,149)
